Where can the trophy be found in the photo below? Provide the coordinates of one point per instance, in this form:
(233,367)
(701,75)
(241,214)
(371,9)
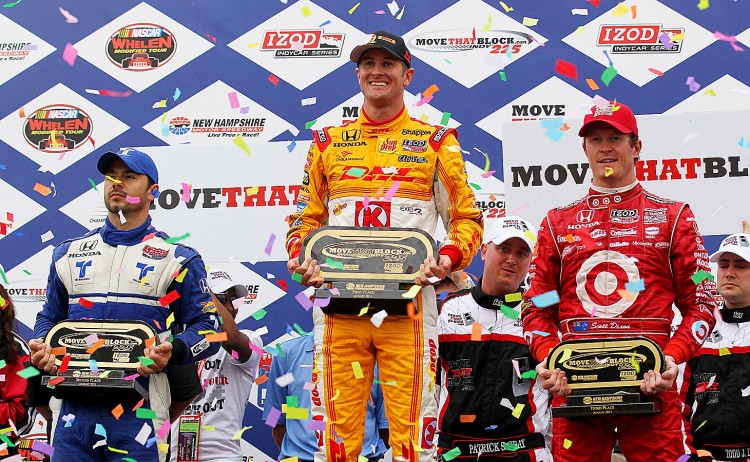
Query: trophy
(605,375)
(103,354)
(367,265)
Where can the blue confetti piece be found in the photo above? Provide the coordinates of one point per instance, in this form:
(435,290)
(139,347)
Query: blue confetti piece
(554,134)
(325,23)
(491,427)
(555,122)
(291,146)
(177,94)
(546,299)
(635,286)
(155,193)
(539,332)
(608,58)
(289,329)
(151,441)
(101,431)
(92,365)
(165,130)
(2,166)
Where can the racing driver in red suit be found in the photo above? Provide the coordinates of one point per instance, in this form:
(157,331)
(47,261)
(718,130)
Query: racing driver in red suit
(348,169)
(587,251)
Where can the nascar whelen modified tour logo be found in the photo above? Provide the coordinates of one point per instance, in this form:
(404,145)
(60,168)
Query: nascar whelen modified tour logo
(494,41)
(313,43)
(57,128)
(640,38)
(141,47)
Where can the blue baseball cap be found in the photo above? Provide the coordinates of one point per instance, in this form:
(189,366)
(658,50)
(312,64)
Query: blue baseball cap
(138,161)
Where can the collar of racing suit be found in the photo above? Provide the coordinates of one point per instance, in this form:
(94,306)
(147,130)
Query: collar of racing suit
(114,236)
(600,200)
(735,315)
(370,128)
(493,302)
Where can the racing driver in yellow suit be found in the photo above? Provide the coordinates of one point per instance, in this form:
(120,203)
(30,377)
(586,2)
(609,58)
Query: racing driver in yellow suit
(350,177)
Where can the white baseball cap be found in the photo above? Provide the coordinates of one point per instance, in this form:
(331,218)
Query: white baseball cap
(507,227)
(738,244)
(219,282)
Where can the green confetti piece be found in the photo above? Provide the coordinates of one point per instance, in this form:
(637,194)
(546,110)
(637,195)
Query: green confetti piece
(7,440)
(334,263)
(145,361)
(356,172)
(172,240)
(299,329)
(27,272)
(608,74)
(699,426)
(93,185)
(128,459)
(143,413)
(292,401)
(503,77)
(452,454)
(510,312)
(446,118)
(260,314)
(28,372)
(309,124)
(2,274)
(392,383)
(510,446)
(281,352)
(529,374)
(473,185)
(2,363)
(701,276)
(448,61)
(297,277)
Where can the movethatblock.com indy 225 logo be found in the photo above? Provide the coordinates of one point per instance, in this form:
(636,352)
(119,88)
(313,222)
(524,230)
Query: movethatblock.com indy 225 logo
(640,38)
(494,41)
(141,47)
(307,43)
(57,128)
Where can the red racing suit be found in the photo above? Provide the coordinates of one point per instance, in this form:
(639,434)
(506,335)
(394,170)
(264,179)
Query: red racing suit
(350,173)
(587,251)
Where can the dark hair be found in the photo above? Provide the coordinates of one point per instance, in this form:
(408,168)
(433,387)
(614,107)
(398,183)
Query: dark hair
(8,346)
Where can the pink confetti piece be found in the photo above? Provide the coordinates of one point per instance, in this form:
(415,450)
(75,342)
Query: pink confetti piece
(234,102)
(728,38)
(322,302)
(269,246)
(304,300)
(379,11)
(164,429)
(131,377)
(186,192)
(69,18)
(91,339)
(70,54)
(392,190)
(488,173)
(258,350)
(273,417)
(132,200)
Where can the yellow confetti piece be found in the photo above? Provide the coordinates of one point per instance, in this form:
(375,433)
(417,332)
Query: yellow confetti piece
(290,459)
(710,91)
(251,191)
(119,451)
(530,21)
(144,279)
(635,365)
(702,424)
(336,395)
(488,25)
(567,443)
(702,5)
(170,320)
(163,447)
(181,276)
(112,179)
(253,45)
(412,292)
(515,297)
(351,11)
(621,10)
(507,8)
(52,137)
(362,459)
(239,141)
(724,351)
(678,37)
(208,427)
(238,435)
(530,235)
(357,370)
(306,11)
(297,413)
(364,310)
(424,118)
(608,171)
(565,355)
(580,30)
(401,13)
(517,411)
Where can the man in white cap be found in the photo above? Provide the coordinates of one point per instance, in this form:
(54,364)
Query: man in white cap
(486,369)
(717,382)
(204,432)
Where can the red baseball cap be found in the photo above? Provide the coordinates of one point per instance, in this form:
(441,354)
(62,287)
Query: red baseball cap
(620,117)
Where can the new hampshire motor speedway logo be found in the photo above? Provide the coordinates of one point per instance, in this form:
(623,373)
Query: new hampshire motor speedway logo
(141,47)
(216,126)
(57,128)
(310,43)
(493,41)
(640,38)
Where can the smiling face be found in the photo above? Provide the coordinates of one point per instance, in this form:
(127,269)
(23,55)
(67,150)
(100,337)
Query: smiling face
(505,266)
(120,182)
(734,280)
(611,155)
(382,79)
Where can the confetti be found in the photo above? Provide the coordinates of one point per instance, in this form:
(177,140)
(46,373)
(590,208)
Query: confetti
(234,102)
(352,9)
(240,142)
(217,337)
(608,171)
(69,54)
(702,5)
(305,11)
(95,346)
(284,380)
(510,312)
(476,332)
(169,298)
(301,297)
(309,101)
(28,372)
(237,436)
(85,303)
(412,292)
(42,189)
(452,454)
(503,77)
(69,18)
(357,370)
(530,21)
(172,240)
(567,69)
(393,7)
(273,79)
(377,318)
(692,84)
(445,119)
(567,443)
(143,413)
(269,245)
(401,13)
(273,416)
(507,8)
(546,299)
(635,286)
(701,276)
(211,38)
(579,11)
(608,74)
(592,84)
(309,124)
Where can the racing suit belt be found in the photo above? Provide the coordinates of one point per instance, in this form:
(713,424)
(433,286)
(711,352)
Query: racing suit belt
(491,446)
(728,451)
(656,329)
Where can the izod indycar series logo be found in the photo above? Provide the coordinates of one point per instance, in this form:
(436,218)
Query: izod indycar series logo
(141,47)
(494,41)
(313,43)
(640,38)
(57,128)
(246,126)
